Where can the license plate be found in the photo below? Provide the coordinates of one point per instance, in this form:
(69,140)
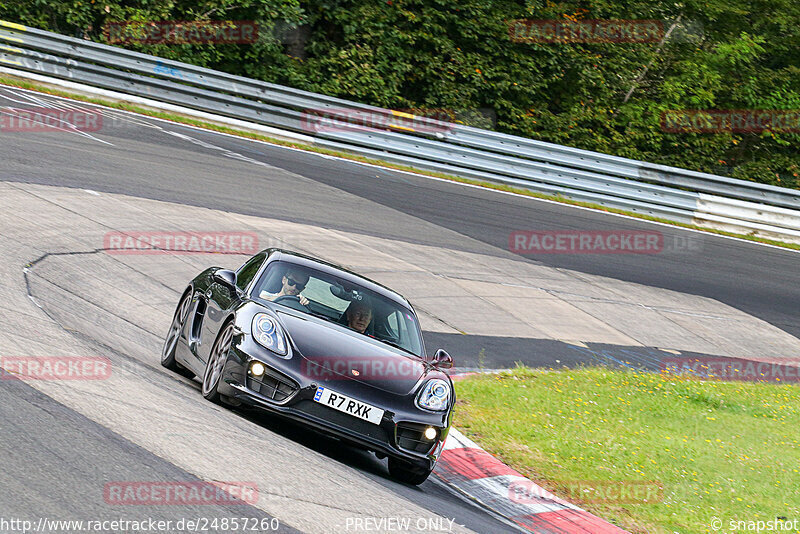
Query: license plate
(348,405)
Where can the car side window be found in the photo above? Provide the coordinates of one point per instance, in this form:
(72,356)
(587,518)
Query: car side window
(395,326)
(247,271)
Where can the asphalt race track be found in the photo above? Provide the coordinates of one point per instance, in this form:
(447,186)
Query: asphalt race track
(715,271)
(63,190)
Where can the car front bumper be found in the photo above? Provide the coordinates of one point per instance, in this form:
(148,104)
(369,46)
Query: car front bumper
(285,390)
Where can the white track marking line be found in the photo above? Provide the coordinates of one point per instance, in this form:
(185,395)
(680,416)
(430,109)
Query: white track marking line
(70,128)
(30,98)
(225,152)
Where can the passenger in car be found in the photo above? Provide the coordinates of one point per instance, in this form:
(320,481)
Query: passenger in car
(359,315)
(294,281)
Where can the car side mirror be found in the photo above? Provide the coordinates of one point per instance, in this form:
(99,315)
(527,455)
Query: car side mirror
(442,360)
(226,278)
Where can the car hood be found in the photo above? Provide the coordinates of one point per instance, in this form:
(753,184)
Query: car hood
(332,352)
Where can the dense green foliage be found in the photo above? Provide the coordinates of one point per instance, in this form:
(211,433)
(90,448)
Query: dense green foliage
(457,54)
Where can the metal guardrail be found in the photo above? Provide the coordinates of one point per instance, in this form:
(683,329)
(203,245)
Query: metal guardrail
(673,193)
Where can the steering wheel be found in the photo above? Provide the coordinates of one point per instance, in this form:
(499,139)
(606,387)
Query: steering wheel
(293,298)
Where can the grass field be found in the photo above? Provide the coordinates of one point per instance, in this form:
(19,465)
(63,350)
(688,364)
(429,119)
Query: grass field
(726,450)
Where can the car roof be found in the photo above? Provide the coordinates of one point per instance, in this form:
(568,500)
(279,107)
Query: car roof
(336,270)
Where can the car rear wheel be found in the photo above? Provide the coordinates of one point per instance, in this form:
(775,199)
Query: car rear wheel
(174,334)
(216,363)
(408,473)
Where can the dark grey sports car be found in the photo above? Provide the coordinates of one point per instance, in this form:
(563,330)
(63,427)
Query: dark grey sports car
(321,345)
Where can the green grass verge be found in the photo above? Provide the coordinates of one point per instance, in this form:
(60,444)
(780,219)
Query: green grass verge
(183,119)
(719,449)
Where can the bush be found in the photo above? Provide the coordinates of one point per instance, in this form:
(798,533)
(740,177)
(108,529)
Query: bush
(457,54)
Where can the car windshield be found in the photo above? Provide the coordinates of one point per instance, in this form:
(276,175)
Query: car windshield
(340,301)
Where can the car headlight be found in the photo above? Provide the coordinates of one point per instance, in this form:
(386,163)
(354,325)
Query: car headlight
(435,395)
(269,334)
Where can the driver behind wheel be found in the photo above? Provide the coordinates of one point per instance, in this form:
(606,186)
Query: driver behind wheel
(294,281)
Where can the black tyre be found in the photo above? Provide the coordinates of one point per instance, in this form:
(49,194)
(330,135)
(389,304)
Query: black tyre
(408,473)
(216,363)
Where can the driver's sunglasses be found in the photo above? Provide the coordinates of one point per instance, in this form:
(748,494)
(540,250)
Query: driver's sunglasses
(294,283)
